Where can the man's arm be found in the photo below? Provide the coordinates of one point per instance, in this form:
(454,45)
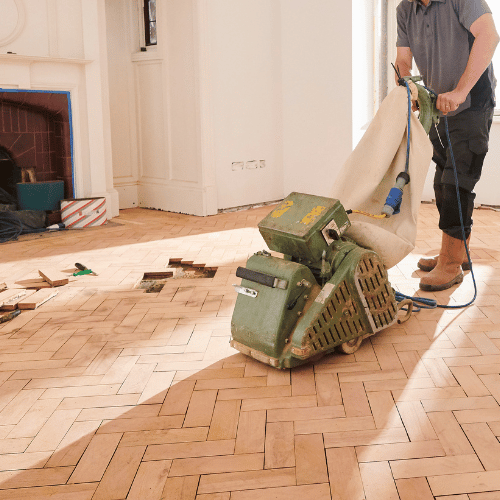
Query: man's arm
(483,48)
(404,59)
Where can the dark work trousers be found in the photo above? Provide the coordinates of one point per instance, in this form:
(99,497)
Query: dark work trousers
(469,134)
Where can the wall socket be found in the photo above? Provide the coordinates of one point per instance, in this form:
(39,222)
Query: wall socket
(250,164)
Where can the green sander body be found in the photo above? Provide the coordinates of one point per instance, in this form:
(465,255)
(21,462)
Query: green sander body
(325,293)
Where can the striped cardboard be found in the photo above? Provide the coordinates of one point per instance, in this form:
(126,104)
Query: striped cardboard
(83,212)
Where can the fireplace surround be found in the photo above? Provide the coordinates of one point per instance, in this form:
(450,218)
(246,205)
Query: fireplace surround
(36,133)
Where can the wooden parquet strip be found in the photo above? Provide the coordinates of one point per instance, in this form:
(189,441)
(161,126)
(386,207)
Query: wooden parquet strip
(109,393)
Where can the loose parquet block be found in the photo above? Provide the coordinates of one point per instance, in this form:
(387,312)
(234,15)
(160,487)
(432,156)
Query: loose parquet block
(10,298)
(53,276)
(37,299)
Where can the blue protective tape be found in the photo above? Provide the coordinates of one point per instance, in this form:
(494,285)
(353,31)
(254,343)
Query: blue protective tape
(70,117)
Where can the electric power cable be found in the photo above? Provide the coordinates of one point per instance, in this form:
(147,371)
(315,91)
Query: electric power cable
(10,226)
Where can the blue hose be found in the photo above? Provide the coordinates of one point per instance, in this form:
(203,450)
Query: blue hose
(393,201)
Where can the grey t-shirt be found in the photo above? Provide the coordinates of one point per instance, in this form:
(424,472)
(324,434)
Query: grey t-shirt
(440,41)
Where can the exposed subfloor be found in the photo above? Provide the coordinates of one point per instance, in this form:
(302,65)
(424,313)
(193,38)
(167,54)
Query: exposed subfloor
(111,393)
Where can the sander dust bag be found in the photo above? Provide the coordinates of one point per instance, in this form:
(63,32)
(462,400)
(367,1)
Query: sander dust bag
(370,172)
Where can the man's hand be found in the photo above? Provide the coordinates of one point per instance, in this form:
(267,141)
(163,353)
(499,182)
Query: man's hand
(449,101)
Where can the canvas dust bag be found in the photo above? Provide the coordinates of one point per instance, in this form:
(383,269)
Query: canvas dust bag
(370,172)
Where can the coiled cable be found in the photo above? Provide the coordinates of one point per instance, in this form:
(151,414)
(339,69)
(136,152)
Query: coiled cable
(11,226)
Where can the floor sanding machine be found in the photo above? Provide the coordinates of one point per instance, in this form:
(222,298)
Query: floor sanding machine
(325,293)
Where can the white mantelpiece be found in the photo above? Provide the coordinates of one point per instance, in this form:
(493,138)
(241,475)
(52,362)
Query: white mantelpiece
(61,46)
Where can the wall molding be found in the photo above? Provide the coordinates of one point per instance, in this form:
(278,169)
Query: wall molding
(18,28)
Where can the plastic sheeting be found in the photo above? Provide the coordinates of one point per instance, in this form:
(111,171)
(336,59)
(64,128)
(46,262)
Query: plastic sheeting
(370,172)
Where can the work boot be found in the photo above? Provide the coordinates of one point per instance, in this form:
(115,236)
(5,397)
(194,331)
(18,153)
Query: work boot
(448,271)
(428,264)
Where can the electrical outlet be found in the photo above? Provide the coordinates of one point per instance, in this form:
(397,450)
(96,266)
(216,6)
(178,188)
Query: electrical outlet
(237,165)
(252,164)
(262,163)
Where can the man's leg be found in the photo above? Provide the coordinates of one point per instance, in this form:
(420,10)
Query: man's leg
(439,157)
(469,132)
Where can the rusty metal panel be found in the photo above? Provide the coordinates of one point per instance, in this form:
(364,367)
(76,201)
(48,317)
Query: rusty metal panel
(294,227)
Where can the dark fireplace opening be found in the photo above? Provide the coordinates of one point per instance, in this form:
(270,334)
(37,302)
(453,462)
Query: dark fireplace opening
(10,175)
(35,139)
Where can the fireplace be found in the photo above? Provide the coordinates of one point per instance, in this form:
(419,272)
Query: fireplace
(35,133)
(9,176)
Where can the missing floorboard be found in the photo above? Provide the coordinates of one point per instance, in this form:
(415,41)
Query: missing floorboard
(153,282)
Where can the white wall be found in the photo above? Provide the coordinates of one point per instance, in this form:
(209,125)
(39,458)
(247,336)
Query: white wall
(122,42)
(282,85)
(486,190)
(246,100)
(230,81)
(157,108)
(363,57)
(317,92)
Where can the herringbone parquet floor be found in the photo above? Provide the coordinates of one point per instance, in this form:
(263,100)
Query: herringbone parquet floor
(111,393)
